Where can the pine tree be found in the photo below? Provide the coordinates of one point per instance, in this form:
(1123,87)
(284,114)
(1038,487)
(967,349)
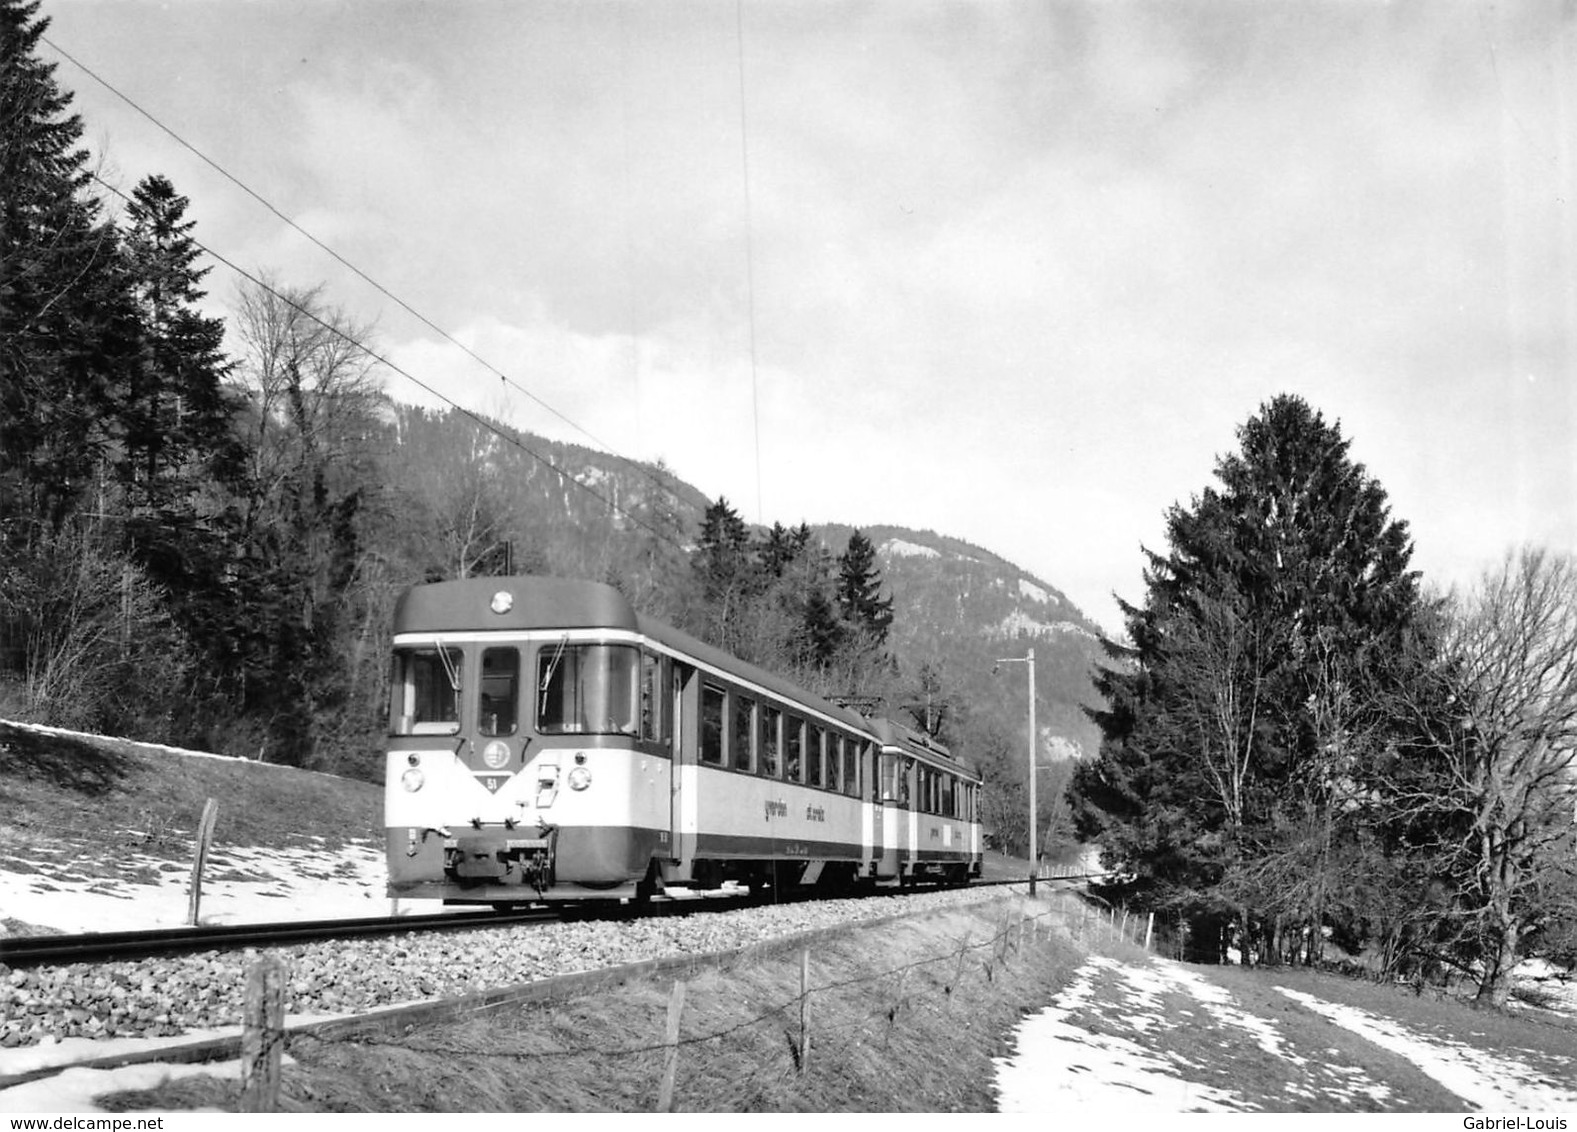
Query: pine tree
(178,418)
(64,312)
(860,588)
(727,579)
(778,550)
(1232,726)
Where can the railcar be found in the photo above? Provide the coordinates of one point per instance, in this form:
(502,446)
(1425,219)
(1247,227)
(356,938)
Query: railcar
(547,743)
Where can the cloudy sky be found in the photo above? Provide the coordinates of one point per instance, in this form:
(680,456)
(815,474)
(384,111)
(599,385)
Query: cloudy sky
(1011,271)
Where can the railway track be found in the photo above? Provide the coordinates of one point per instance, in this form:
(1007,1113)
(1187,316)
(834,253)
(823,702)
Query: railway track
(94,947)
(99,946)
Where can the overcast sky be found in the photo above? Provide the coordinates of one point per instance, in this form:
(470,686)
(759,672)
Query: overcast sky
(1009,271)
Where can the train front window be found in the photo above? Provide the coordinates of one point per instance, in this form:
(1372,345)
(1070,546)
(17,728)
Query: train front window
(425,691)
(588,689)
(500,692)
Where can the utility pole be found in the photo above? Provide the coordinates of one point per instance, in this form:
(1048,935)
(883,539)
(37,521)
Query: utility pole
(1028,661)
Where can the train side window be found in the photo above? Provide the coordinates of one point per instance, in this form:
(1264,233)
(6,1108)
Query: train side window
(498,702)
(905,772)
(742,737)
(712,725)
(851,767)
(813,774)
(794,746)
(835,763)
(651,698)
(771,740)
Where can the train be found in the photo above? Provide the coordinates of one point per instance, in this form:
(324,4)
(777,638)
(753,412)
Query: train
(547,744)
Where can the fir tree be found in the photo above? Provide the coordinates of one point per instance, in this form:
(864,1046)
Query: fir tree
(179,418)
(1230,735)
(860,588)
(63,309)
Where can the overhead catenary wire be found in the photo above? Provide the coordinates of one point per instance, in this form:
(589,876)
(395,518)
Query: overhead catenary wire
(750,254)
(380,288)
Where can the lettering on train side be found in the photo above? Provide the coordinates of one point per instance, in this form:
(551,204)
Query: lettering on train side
(776,809)
(815,813)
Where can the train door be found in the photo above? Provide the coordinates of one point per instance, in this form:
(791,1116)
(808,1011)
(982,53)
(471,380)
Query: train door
(686,732)
(893,819)
(868,778)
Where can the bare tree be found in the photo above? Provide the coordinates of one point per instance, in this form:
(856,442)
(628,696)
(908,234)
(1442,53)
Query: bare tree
(312,385)
(1512,761)
(1219,662)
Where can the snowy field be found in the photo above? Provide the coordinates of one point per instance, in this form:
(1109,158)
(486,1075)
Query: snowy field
(280,885)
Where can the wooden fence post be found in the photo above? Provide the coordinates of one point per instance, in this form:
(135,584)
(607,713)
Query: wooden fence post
(892,1014)
(958,975)
(262,1035)
(205,837)
(804,1010)
(1149,928)
(665,1096)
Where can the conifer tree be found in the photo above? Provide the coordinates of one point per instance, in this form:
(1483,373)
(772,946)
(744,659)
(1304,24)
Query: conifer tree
(860,589)
(63,309)
(178,420)
(1225,732)
(727,575)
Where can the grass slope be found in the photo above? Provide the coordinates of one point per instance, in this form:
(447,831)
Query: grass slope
(74,806)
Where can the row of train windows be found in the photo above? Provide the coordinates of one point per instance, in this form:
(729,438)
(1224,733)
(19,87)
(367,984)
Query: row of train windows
(941,793)
(619,690)
(755,738)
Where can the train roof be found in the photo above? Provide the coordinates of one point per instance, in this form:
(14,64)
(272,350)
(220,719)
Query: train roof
(895,734)
(537,603)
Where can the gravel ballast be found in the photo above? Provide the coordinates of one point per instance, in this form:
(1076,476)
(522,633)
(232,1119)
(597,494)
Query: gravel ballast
(205,991)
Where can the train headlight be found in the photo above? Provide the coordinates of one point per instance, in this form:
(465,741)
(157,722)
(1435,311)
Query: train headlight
(579,778)
(413,780)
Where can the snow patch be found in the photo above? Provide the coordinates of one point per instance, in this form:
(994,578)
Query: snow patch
(1483,1079)
(1019,622)
(240,886)
(1029,589)
(899,548)
(1061,1064)
(75,1089)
